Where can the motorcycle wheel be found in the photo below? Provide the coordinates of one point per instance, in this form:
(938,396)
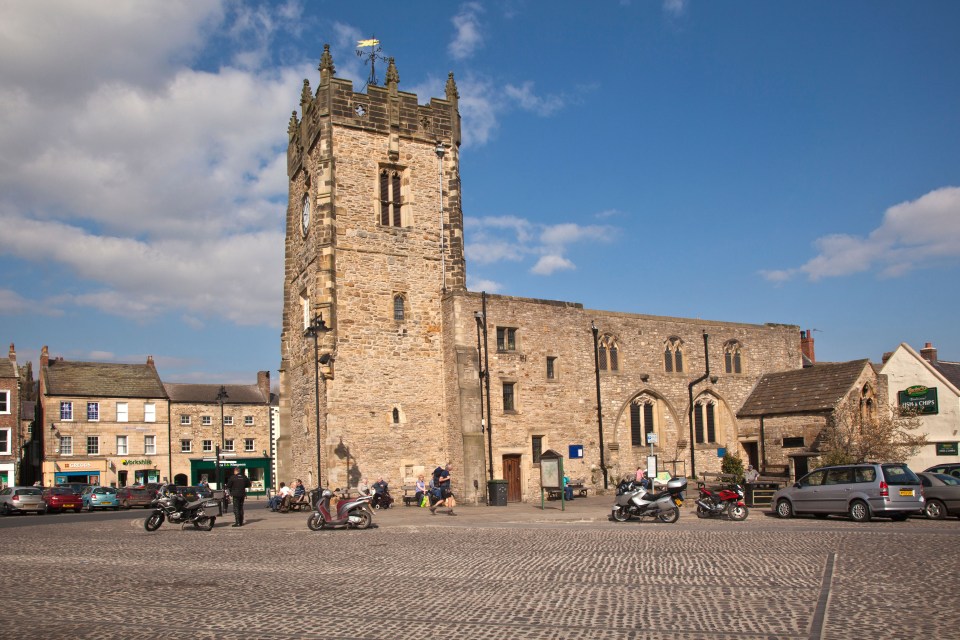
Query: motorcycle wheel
(621,515)
(315,522)
(670,516)
(153,521)
(739,513)
(205,524)
(364,519)
(702,513)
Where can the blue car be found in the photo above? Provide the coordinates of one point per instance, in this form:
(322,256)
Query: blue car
(100,498)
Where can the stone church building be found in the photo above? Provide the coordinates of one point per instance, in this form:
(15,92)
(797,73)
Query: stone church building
(390,384)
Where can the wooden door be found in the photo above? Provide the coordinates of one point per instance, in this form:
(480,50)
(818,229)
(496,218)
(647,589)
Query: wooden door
(511,473)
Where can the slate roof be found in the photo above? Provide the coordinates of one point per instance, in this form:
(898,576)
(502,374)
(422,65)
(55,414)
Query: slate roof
(207,393)
(811,390)
(101,379)
(949,370)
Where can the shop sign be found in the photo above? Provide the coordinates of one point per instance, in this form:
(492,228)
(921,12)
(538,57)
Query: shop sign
(77,465)
(919,399)
(947,448)
(127,462)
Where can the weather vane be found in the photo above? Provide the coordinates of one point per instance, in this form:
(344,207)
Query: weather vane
(372,56)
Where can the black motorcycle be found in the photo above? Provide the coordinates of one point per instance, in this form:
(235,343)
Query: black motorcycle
(168,505)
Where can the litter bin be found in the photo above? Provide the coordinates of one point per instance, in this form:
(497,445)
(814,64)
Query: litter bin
(497,492)
(314,495)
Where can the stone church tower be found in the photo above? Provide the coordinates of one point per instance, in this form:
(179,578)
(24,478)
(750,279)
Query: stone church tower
(374,241)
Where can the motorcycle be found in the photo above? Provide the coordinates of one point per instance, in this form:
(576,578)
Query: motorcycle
(354,514)
(725,502)
(634,501)
(168,505)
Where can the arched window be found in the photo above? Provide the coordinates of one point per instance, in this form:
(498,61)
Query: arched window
(705,420)
(398,308)
(642,420)
(732,362)
(608,353)
(396,416)
(868,406)
(390,198)
(673,355)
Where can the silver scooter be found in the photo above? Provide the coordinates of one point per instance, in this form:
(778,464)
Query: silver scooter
(634,501)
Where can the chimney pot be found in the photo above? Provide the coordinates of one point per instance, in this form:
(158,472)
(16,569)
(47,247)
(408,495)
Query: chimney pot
(929,353)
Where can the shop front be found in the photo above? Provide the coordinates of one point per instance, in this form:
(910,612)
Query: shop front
(132,471)
(85,471)
(257,469)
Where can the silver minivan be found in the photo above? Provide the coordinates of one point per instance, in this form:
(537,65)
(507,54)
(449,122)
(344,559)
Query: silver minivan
(861,491)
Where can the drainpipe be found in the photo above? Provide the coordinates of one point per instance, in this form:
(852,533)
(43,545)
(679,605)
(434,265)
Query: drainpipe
(706,374)
(596,364)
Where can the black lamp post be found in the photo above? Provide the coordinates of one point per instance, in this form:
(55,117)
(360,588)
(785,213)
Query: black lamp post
(596,363)
(486,379)
(221,396)
(316,327)
(480,326)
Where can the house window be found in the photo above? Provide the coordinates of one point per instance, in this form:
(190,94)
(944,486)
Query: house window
(93,411)
(186,446)
(122,445)
(207,446)
(66,411)
(122,412)
(506,339)
(248,421)
(150,445)
(508,396)
(149,412)
(228,421)
(228,445)
(868,406)
(537,442)
(66,445)
(705,421)
(732,362)
(396,416)
(5,442)
(641,421)
(249,444)
(4,401)
(398,302)
(673,355)
(93,445)
(551,368)
(792,442)
(608,353)
(390,198)
(184,419)
(206,420)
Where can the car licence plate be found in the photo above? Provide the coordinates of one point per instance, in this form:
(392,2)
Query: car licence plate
(906,492)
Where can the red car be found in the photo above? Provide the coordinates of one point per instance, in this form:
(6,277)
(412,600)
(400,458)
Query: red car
(61,499)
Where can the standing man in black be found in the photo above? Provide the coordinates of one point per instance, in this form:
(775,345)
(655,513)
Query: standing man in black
(237,487)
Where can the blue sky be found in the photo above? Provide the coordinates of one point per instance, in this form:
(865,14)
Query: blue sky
(741,161)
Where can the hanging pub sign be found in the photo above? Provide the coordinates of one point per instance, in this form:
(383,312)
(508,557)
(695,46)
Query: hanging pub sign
(918,399)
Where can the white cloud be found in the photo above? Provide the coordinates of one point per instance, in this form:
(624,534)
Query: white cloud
(467,37)
(914,235)
(675,8)
(527,100)
(549,264)
(482,284)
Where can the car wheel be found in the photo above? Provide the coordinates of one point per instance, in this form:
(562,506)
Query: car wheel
(77,509)
(935,510)
(126,504)
(784,508)
(4,509)
(859,511)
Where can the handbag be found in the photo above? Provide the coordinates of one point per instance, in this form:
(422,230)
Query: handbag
(424,501)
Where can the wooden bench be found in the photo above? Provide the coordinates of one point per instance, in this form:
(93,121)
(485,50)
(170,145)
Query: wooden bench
(579,489)
(716,479)
(410,496)
(300,504)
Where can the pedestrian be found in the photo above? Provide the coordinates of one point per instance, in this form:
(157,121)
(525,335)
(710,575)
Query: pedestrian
(751,475)
(639,475)
(237,487)
(441,479)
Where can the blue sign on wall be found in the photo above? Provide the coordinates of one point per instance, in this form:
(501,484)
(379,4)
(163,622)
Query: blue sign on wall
(721,452)
(576,451)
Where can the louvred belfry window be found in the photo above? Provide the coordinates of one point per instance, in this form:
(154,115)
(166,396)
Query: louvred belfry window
(390,198)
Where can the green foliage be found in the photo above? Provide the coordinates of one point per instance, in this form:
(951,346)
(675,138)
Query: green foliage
(733,465)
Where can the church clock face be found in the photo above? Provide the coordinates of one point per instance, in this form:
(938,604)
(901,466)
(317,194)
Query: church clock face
(305,216)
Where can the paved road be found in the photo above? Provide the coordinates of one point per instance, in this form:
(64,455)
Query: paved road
(489,572)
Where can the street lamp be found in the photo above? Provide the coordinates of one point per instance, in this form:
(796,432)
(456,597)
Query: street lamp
(221,396)
(596,362)
(316,327)
(486,377)
(480,326)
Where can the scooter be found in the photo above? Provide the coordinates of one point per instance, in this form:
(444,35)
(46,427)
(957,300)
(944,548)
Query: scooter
(634,501)
(353,514)
(168,505)
(725,502)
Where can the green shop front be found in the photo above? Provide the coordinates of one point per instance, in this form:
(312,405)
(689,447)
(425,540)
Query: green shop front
(257,469)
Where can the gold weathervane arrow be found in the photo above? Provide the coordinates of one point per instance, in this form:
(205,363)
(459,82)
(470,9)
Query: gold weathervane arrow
(372,42)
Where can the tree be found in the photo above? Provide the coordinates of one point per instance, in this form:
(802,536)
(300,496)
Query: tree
(876,432)
(733,465)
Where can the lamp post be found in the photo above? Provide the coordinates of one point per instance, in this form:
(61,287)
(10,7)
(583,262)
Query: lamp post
(486,378)
(316,327)
(480,325)
(221,396)
(596,363)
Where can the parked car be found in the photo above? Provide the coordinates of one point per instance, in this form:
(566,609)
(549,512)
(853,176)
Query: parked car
(95,497)
(20,499)
(135,497)
(76,487)
(61,499)
(195,493)
(942,493)
(861,491)
(952,469)
(151,487)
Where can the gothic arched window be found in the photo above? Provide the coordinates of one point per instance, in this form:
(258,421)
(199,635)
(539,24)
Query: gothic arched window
(705,420)
(673,355)
(732,359)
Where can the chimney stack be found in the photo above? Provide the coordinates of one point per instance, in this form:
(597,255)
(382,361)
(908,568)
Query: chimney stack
(13,354)
(263,382)
(150,363)
(929,353)
(44,356)
(806,345)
